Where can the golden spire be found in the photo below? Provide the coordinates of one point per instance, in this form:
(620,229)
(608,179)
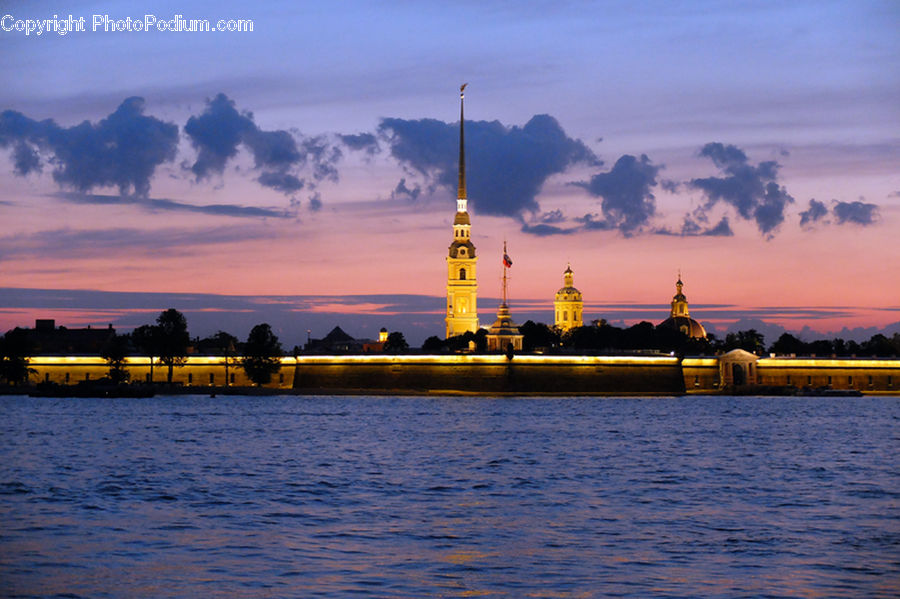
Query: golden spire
(462,146)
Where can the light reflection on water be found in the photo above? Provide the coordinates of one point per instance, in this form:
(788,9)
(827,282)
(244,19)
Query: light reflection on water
(455,497)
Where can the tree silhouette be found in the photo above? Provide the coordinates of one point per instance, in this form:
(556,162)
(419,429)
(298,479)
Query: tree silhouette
(147,339)
(14,353)
(434,344)
(114,351)
(395,343)
(262,354)
(538,335)
(225,344)
(173,339)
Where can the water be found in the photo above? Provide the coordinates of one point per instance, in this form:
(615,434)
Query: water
(450,497)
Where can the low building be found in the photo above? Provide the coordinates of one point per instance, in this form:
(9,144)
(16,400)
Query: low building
(504,333)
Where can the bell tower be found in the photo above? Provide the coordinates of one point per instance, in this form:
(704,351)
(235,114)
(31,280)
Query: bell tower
(679,301)
(462,285)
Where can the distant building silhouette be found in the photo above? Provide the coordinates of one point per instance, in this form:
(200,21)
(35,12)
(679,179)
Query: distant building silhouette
(49,340)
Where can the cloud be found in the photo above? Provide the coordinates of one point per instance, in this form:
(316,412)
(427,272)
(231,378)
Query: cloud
(857,213)
(816,212)
(545,230)
(695,227)
(68,243)
(283,182)
(402,192)
(626,201)
(590,222)
(162,204)
(123,150)
(751,190)
(315,202)
(363,142)
(220,131)
(505,166)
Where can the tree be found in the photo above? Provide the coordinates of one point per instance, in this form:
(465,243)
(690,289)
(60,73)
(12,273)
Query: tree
(225,344)
(173,339)
(750,340)
(262,354)
(14,352)
(434,345)
(395,343)
(114,351)
(538,335)
(788,344)
(147,339)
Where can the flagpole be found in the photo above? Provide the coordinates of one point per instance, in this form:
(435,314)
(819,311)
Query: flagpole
(505,267)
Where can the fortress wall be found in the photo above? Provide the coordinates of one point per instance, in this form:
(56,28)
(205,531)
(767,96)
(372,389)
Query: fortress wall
(495,374)
(701,375)
(199,371)
(869,375)
(490,374)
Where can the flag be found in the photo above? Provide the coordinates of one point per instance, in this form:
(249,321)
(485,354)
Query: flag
(506,261)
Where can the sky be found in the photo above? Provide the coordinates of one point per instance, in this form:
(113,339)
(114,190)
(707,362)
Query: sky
(304,173)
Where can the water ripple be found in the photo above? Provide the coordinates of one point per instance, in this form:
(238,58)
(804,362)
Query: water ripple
(449,497)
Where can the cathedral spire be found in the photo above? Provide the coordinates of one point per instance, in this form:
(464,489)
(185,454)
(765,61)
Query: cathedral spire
(462,285)
(461,195)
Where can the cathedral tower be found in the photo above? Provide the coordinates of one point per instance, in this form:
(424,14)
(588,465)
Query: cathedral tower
(568,303)
(462,286)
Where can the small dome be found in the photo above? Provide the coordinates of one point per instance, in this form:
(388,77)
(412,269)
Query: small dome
(686,325)
(567,292)
(462,218)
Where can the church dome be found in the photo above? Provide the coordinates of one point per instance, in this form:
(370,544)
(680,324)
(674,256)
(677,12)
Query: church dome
(680,318)
(686,325)
(568,292)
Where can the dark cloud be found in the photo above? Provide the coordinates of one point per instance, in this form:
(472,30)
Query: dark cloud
(554,216)
(505,166)
(722,229)
(857,213)
(122,150)
(323,157)
(626,201)
(315,202)
(696,227)
(69,243)
(362,142)
(816,212)
(402,192)
(218,133)
(283,182)
(590,222)
(751,190)
(161,204)
(545,230)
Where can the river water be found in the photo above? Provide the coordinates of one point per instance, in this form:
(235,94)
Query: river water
(287,496)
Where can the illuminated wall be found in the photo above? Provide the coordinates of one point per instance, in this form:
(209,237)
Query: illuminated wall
(199,371)
(495,374)
(868,375)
